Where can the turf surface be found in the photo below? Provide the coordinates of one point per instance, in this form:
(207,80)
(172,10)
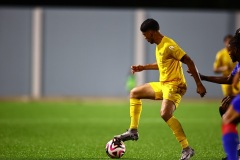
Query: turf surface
(80,130)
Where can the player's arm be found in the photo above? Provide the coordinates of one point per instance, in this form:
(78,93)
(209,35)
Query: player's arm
(217,65)
(220,69)
(139,68)
(192,68)
(217,79)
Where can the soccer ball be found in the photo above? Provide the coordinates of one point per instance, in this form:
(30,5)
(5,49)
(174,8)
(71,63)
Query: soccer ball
(115,148)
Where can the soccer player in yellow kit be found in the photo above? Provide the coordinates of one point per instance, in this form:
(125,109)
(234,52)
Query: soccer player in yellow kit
(223,64)
(170,88)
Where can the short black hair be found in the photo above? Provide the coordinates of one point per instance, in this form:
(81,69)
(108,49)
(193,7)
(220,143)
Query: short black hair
(149,24)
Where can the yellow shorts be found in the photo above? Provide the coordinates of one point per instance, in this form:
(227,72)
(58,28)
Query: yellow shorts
(169,90)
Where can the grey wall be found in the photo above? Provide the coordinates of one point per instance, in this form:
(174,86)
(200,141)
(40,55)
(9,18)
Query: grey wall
(88,52)
(15,51)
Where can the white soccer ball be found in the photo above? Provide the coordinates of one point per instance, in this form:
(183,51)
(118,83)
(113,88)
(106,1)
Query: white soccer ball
(115,148)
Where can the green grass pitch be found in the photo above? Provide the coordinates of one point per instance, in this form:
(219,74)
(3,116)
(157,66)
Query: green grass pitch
(75,130)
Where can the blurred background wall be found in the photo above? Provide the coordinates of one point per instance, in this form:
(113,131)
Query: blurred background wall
(88,52)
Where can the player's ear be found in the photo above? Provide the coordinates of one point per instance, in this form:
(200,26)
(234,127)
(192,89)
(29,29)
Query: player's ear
(151,34)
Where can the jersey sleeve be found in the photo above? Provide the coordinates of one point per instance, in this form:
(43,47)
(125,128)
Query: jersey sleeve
(177,52)
(236,69)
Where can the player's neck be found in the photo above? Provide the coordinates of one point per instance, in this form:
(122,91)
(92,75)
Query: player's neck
(159,39)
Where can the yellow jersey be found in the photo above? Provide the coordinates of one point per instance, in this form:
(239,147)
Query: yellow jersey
(168,56)
(223,59)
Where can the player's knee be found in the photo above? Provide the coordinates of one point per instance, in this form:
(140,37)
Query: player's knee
(229,118)
(134,93)
(165,115)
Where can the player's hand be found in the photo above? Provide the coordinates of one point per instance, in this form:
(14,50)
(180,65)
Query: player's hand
(137,68)
(225,68)
(200,75)
(225,103)
(201,90)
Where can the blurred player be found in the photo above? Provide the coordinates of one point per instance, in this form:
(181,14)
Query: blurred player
(170,88)
(223,64)
(130,82)
(229,118)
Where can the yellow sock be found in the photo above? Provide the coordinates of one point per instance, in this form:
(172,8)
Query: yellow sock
(135,112)
(177,129)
